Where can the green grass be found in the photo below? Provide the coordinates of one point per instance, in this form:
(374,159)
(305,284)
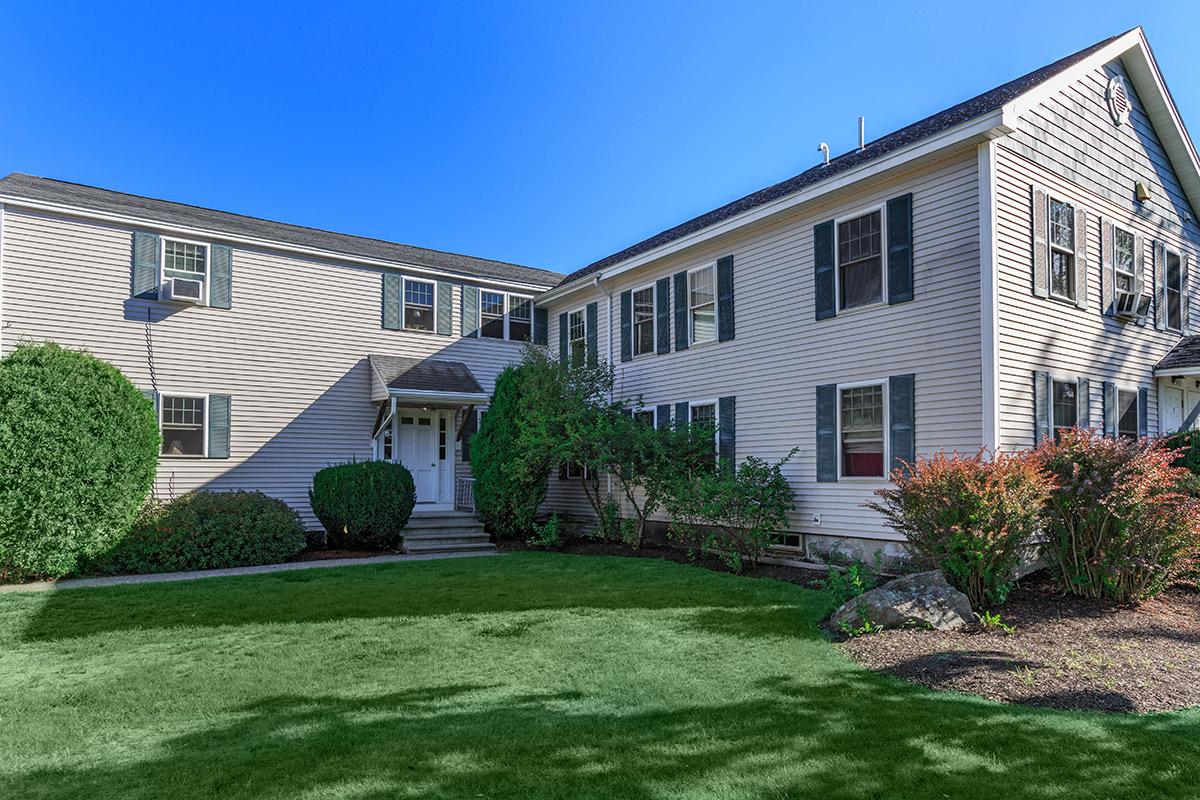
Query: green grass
(527,676)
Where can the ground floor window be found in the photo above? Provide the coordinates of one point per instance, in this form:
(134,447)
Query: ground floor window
(1064,406)
(645,417)
(1127,414)
(862,425)
(182,421)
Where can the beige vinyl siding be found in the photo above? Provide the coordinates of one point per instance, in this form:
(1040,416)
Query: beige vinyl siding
(1070,146)
(291,351)
(781,353)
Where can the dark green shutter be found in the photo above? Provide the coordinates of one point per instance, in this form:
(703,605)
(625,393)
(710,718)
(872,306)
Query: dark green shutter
(627,325)
(681,311)
(827,468)
(823,284)
(144,272)
(1083,402)
(1041,407)
(593,340)
(662,313)
(662,416)
(220,289)
(727,429)
(900,262)
(682,415)
(470,311)
(725,299)
(445,308)
(562,337)
(902,413)
(1111,404)
(470,425)
(541,322)
(391,301)
(218,425)
(1143,412)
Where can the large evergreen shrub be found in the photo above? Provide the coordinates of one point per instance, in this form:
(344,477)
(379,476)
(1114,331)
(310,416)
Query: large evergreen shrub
(207,530)
(365,503)
(78,450)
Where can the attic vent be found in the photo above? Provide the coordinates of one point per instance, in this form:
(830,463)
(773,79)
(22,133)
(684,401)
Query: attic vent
(1118,100)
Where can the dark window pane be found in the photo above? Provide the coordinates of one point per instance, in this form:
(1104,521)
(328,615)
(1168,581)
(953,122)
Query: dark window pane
(1062,278)
(1127,409)
(518,331)
(1062,225)
(417,318)
(862,283)
(491,327)
(1066,407)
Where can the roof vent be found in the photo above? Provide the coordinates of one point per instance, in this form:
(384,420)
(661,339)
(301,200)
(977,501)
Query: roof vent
(1118,100)
(824,148)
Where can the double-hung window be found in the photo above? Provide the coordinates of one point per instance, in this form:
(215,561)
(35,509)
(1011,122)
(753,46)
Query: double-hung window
(520,318)
(418,305)
(1127,414)
(643,321)
(702,306)
(1174,290)
(491,314)
(1062,250)
(186,261)
(576,336)
(860,260)
(644,417)
(182,419)
(1123,259)
(705,415)
(1064,406)
(861,435)
(505,316)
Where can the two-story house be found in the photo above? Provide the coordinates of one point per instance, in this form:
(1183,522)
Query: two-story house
(1016,264)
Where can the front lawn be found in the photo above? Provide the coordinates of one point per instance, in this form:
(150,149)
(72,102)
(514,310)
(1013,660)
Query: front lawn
(526,676)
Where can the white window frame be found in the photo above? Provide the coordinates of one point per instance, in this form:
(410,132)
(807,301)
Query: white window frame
(162,260)
(404,304)
(881,207)
(653,319)
(582,312)
(1072,282)
(1074,381)
(1117,272)
(1178,253)
(691,328)
(508,298)
(887,423)
(716,420)
(204,431)
(1136,391)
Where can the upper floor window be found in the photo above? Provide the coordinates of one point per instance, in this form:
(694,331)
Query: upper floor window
(184,259)
(1127,414)
(1064,406)
(702,306)
(860,260)
(576,336)
(643,321)
(418,305)
(1062,250)
(861,431)
(1174,290)
(182,421)
(1124,259)
(505,316)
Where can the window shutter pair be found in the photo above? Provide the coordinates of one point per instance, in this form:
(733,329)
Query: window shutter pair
(1043,416)
(146,269)
(898,258)
(1160,289)
(392,317)
(902,428)
(470,311)
(1040,220)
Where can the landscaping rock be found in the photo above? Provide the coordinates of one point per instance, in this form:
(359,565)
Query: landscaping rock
(923,599)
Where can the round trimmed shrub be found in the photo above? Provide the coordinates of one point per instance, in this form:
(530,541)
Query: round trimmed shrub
(78,450)
(364,503)
(208,530)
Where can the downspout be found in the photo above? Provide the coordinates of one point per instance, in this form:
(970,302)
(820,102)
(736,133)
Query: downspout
(2,323)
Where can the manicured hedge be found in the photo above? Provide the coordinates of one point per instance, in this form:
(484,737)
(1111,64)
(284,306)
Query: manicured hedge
(365,503)
(78,450)
(207,530)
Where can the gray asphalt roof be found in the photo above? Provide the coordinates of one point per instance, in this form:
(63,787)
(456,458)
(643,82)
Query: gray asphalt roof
(955,115)
(30,187)
(1183,355)
(425,375)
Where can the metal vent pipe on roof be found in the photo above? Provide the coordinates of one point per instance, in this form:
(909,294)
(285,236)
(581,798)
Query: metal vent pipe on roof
(862,133)
(824,148)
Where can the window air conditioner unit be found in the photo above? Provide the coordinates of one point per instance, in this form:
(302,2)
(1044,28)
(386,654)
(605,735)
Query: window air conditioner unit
(183,290)
(1132,306)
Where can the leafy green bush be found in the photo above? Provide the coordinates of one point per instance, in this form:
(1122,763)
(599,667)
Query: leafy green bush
(510,470)
(549,534)
(78,451)
(844,582)
(365,503)
(207,530)
(1186,446)
(968,517)
(732,511)
(1122,521)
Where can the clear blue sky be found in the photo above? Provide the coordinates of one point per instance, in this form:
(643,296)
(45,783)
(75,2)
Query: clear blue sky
(548,134)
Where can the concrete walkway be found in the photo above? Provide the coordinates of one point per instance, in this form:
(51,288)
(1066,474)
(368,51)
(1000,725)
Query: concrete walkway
(162,577)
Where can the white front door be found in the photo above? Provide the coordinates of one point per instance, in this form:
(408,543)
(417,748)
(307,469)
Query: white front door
(1175,406)
(418,450)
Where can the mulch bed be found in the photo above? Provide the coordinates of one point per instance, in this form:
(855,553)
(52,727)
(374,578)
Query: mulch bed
(1067,652)
(328,554)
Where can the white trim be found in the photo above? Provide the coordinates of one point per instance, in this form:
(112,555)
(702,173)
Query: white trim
(692,341)
(1180,372)
(653,287)
(884,384)
(863,211)
(404,281)
(176,231)
(989,296)
(429,396)
(1051,199)
(505,303)
(162,261)
(582,311)
(204,429)
(991,126)
(716,418)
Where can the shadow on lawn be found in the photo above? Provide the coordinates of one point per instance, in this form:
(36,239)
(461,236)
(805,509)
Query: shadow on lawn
(852,736)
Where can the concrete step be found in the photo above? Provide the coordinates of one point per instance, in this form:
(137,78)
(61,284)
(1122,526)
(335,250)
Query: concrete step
(448,536)
(430,523)
(430,546)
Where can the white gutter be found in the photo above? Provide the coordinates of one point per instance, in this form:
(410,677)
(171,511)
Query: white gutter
(267,244)
(462,398)
(989,291)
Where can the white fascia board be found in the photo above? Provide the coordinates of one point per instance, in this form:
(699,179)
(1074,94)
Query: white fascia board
(989,126)
(1181,372)
(265,244)
(422,396)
